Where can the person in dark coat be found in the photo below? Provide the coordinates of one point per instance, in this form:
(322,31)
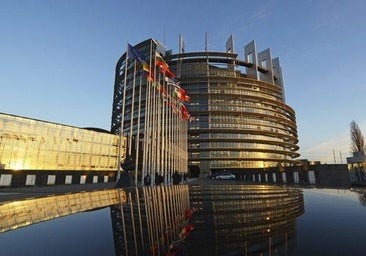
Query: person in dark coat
(147,180)
(157,178)
(176,178)
(125,180)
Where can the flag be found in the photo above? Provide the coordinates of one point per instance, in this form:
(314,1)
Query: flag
(184,112)
(169,73)
(172,81)
(173,105)
(180,94)
(160,62)
(134,54)
(160,59)
(145,67)
(164,67)
(150,75)
(161,88)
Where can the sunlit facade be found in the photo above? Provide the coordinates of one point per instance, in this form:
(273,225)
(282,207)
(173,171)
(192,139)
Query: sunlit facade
(34,145)
(242,120)
(37,145)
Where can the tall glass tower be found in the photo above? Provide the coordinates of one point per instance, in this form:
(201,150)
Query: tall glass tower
(145,112)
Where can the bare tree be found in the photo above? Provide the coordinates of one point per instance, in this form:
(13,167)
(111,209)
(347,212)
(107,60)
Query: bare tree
(357,139)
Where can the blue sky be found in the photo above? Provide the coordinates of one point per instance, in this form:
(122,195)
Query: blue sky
(57,58)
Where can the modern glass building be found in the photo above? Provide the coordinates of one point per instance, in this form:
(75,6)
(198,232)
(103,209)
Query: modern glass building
(242,121)
(62,154)
(146,112)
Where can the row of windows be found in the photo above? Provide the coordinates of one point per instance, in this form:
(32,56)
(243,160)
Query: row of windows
(248,122)
(243,93)
(17,156)
(31,144)
(256,209)
(240,85)
(244,109)
(55,144)
(251,127)
(230,92)
(247,86)
(227,102)
(234,145)
(33,130)
(237,154)
(236,136)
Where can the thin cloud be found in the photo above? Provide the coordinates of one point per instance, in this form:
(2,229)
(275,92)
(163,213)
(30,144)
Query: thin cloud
(335,150)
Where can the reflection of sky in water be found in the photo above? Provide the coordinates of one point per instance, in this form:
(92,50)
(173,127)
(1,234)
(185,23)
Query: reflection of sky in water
(334,223)
(87,233)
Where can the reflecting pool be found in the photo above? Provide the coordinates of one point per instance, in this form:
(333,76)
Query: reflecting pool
(238,222)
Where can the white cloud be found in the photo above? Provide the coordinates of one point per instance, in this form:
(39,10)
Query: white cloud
(335,150)
(326,151)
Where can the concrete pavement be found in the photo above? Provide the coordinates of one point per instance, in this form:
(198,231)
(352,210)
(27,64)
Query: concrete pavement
(11,194)
(22,193)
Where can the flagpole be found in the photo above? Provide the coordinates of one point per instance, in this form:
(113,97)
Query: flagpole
(153,124)
(169,133)
(152,120)
(132,117)
(147,132)
(174,105)
(166,113)
(138,134)
(163,127)
(122,116)
(160,125)
(132,109)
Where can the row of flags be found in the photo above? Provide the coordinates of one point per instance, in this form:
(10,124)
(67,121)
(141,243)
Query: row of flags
(177,96)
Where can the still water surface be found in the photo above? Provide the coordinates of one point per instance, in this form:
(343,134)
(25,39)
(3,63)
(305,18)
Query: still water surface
(334,223)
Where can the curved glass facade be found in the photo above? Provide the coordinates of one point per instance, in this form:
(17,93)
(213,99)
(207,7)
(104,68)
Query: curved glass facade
(241,118)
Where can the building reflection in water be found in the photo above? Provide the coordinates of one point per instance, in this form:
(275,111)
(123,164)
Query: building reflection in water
(230,220)
(244,220)
(150,220)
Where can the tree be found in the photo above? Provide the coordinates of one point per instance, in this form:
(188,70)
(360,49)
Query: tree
(358,142)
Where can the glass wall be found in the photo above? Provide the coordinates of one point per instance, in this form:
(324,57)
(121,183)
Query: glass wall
(241,122)
(28,144)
